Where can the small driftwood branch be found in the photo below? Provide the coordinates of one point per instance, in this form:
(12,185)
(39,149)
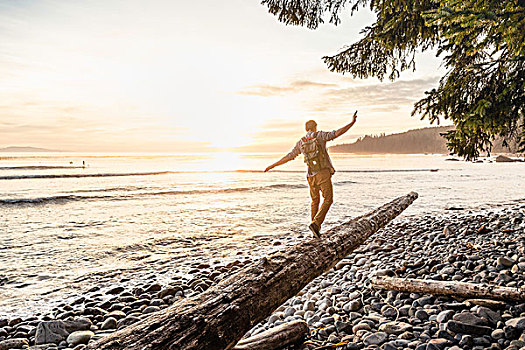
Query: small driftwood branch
(218,318)
(275,338)
(460,289)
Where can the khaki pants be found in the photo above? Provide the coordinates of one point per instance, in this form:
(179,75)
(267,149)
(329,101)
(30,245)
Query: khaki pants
(321,182)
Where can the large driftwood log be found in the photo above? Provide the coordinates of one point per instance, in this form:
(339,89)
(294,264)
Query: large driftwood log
(219,317)
(460,289)
(275,338)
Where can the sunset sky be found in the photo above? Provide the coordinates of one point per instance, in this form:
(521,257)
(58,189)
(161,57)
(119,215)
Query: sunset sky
(184,76)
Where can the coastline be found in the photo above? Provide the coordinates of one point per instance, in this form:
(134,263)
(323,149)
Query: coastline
(194,258)
(339,306)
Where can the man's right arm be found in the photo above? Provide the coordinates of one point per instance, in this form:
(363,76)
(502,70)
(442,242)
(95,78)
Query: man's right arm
(281,161)
(290,156)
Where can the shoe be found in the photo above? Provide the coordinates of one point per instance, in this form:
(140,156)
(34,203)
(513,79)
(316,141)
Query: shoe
(316,230)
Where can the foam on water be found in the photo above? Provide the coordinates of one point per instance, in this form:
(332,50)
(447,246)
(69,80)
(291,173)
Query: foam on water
(123,195)
(61,223)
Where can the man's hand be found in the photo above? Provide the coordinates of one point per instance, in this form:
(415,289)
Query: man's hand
(354,117)
(268,168)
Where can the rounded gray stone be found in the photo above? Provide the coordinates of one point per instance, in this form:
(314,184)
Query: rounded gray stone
(79,337)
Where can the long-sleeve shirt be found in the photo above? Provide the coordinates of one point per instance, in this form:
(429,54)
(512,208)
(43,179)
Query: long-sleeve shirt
(322,138)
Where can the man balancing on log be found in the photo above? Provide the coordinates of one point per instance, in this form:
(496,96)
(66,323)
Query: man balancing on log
(320,168)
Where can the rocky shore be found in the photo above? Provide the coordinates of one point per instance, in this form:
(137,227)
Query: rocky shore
(344,311)
(341,309)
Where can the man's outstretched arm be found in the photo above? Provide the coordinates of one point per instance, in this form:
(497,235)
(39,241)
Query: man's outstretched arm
(347,127)
(281,161)
(290,156)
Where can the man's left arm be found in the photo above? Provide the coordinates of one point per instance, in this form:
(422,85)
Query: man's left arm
(347,127)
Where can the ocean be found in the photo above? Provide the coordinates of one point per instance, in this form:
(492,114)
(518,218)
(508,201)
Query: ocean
(62,224)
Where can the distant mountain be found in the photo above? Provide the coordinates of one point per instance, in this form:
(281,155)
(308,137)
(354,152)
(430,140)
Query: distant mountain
(425,140)
(25,149)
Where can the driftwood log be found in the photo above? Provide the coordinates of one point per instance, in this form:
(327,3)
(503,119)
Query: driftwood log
(275,338)
(217,318)
(459,289)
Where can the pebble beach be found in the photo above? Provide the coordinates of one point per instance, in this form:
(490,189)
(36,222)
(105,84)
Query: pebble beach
(344,311)
(340,307)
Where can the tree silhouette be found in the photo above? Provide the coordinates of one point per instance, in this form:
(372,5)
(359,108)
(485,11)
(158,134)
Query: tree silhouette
(482,45)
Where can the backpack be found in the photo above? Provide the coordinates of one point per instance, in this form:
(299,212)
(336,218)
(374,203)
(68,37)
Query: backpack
(313,154)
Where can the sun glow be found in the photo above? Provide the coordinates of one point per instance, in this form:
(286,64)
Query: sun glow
(225,161)
(76,77)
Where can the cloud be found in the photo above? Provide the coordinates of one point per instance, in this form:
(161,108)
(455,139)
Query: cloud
(282,134)
(59,128)
(321,97)
(378,97)
(296,86)
(72,134)
(75,127)
(281,124)
(18,105)
(307,84)
(331,105)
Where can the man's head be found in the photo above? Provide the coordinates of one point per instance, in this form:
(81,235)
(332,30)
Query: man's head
(311,125)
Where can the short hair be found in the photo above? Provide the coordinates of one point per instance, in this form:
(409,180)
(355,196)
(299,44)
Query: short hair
(310,125)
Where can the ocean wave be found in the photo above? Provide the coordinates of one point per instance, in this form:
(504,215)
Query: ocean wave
(292,186)
(113,189)
(342,183)
(39,167)
(58,176)
(13,202)
(62,199)
(168,192)
(228,190)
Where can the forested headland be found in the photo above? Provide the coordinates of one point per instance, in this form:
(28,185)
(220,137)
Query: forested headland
(425,140)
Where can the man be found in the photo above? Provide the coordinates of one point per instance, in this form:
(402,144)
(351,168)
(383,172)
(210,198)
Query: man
(320,168)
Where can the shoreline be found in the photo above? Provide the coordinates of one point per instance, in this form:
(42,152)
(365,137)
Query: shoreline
(155,268)
(337,304)
(170,266)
